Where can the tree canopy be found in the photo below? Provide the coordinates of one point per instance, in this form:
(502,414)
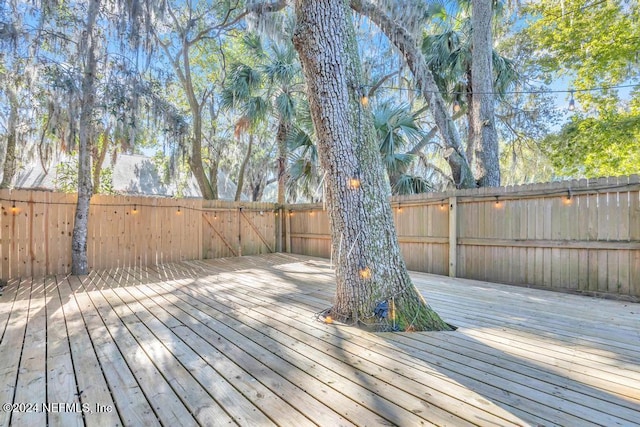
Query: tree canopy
(163,85)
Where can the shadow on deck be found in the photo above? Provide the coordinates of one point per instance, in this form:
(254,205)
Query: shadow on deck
(235,341)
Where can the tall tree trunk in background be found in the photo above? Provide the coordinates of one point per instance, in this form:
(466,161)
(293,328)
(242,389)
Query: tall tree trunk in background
(213,176)
(369,265)
(182,66)
(99,151)
(470,138)
(424,80)
(243,168)
(281,138)
(195,158)
(79,261)
(486,167)
(10,161)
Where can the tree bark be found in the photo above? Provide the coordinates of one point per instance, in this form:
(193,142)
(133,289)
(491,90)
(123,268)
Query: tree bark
(182,66)
(10,161)
(486,167)
(470,131)
(99,154)
(425,82)
(369,266)
(79,261)
(213,176)
(243,168)
(281,137)
(195,159)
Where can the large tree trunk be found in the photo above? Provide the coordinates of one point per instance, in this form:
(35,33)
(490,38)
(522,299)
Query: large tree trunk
(486,165)
(79,261)
(213,176)
(281,137)
(424,80)
(10,161)
(470,138)
(99,154)
(369,266)
(182,66)
(195,159)
(243,168)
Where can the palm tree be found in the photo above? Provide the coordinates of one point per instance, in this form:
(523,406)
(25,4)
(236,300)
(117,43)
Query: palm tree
(242,94)
(304,181)
(267,85)
(399,137)
(448,52)
(396,127)
(284,76)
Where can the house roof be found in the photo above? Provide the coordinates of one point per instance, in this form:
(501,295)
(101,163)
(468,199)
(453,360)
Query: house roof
(132,174)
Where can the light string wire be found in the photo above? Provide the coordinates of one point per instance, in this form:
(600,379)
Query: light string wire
(561,191)
(513,92)
(139,205)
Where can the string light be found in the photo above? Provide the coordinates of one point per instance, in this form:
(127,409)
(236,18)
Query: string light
(135,209)
(179,212)
(127,206)
(364,100)
(365,273)
(567,200)
(572,103)
(354,183)
(456,106)
(497,202)
(554,192)
(14,210)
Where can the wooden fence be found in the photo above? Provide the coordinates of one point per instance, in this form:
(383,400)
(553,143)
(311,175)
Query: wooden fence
(575,235)
(36,229)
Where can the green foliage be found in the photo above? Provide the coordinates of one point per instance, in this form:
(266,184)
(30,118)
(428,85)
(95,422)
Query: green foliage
(397,129)
(66,179)
(595,43)
(593,147)
(447,49)
(524,162)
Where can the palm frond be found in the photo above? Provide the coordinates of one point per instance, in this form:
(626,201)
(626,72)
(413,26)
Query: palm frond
(397,162)
(285,106)
(410,184)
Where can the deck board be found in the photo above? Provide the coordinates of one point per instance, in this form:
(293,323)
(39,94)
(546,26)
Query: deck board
(167,405)
(102,374)
(61,381)
(11,346)
(236,341)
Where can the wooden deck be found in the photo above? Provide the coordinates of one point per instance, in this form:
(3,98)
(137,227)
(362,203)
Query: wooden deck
(235,341)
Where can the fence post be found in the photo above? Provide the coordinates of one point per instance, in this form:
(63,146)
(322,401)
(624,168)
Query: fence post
(453,235)
(239,212)
(288,230)
(278,215)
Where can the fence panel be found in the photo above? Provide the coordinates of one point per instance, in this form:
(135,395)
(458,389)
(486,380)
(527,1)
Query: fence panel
(580,236)
(576,235)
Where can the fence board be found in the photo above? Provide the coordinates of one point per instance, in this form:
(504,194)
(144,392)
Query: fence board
(534,236)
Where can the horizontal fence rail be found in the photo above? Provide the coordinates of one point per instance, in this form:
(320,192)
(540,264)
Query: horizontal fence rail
(573,235)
